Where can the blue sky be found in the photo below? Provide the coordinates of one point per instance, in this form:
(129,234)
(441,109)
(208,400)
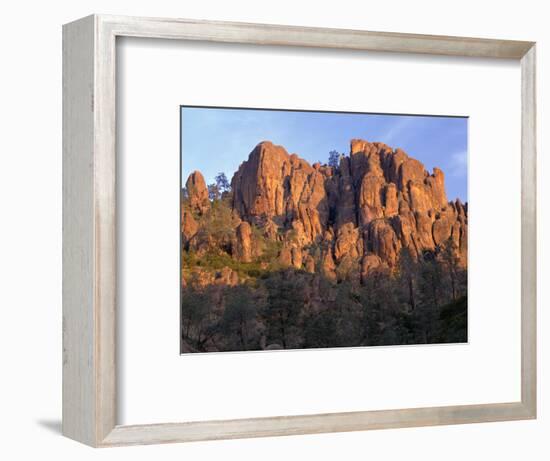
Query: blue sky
(215,140)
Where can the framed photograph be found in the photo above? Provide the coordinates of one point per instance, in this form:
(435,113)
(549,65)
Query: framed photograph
(349,247)
(274,230)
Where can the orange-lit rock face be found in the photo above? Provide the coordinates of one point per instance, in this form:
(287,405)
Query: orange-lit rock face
(189,226)
(197,192)
(273,184)
(242,247)
(377,202)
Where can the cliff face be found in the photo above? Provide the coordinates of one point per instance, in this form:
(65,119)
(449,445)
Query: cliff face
(364,213)
(376,203)
(294,255)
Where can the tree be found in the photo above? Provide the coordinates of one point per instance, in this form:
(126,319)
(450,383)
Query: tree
(337,322)
(450,260)
(380,310)
(222,183)
(431,278)
(197,317)
(285,301)
(320,330)
(333,158)
(218,226)
(348,312)
(239,323)
(213,192)
(453,322)
(218,187)
(431,281)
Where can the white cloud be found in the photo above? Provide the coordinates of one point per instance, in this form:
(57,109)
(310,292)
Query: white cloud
(458,164)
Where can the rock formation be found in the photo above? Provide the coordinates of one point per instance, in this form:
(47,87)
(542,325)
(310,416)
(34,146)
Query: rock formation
(242,246)
(275,186)
(197,192)
(294,255)
(189,226)
(376,203)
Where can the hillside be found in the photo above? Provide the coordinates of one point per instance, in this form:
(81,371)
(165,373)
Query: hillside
(378,225)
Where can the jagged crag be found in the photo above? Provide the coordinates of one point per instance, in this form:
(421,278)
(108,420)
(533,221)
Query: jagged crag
(293,255)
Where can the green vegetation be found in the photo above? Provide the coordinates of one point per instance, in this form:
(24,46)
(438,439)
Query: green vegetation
(214,261)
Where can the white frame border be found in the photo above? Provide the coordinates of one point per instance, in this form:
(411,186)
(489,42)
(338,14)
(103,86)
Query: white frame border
(89,230)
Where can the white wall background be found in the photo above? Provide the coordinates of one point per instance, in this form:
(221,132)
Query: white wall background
(30,230)
(307,382)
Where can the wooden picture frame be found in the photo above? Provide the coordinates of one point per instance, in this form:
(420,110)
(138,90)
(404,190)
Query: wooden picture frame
(89,233)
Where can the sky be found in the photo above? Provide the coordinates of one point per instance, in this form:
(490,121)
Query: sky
(217,140)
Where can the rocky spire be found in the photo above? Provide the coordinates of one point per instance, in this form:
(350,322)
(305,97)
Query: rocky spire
(197,193)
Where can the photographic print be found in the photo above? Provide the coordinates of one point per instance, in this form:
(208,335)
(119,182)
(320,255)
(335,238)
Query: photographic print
(311,229)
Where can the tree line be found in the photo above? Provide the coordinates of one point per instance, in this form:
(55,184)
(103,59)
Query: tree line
(423,301)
